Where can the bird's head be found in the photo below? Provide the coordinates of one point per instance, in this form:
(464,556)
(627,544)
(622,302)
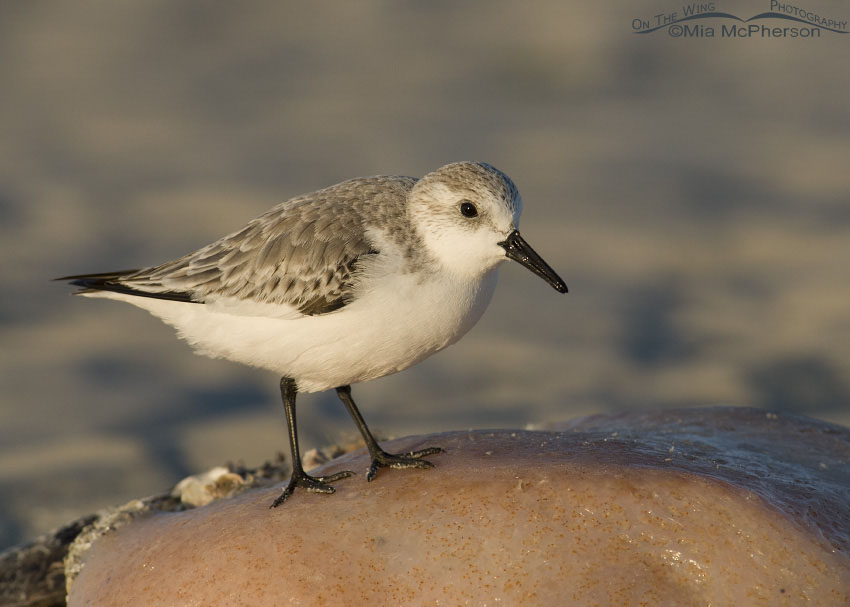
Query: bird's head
(467,214)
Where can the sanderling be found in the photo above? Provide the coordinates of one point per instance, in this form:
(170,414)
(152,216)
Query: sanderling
(343,285)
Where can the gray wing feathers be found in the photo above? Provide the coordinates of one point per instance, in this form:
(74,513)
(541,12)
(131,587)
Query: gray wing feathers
(302,252)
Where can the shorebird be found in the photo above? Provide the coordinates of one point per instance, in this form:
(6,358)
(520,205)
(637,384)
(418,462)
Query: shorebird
(342,285)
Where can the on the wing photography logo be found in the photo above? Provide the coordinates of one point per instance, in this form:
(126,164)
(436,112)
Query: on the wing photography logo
(705,20)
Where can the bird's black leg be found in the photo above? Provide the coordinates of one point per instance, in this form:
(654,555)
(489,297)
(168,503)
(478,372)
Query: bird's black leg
(380,458)
(316,484)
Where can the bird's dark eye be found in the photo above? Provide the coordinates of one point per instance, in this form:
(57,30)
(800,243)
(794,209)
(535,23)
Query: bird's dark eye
(467,209)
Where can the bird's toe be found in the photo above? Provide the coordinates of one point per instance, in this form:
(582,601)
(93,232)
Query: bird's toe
(382,459)
(311,484)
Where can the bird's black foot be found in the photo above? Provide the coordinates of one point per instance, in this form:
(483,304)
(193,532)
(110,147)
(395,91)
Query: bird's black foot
(382,459)
(313,484)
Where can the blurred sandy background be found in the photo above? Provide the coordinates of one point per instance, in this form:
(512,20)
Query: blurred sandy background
(693,193)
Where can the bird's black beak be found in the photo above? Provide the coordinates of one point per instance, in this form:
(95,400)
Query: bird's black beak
(517,249)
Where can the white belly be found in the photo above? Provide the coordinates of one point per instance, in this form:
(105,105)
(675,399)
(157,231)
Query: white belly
(397,324)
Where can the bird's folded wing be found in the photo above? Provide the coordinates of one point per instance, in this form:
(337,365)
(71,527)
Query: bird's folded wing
(304,259)
(302,253)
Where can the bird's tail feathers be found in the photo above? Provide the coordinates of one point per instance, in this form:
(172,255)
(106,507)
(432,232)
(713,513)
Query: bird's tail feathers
(112,281)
